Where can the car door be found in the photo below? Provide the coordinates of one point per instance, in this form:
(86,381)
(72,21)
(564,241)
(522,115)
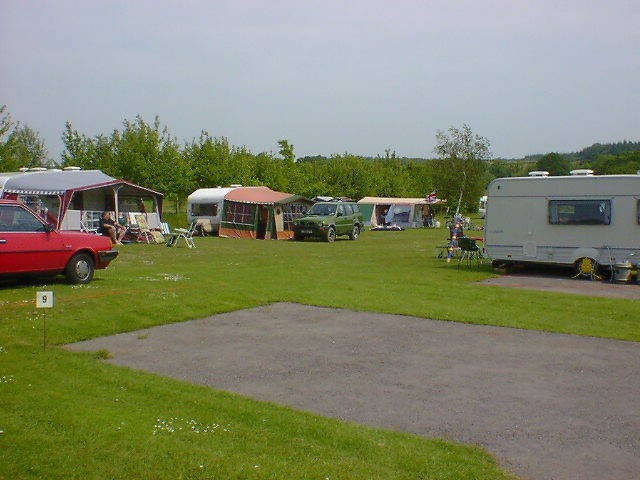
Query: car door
(342,221)
(357,215)
(26,245)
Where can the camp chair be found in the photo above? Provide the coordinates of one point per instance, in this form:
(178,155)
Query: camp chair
(144,232)
(186,233)
(470,250)
(85,228)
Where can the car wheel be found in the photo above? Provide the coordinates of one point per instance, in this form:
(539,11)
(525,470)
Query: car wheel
(355,233)
(331,235)
(80,269)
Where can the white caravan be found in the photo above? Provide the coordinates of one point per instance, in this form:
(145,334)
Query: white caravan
(207,204)
(570,220)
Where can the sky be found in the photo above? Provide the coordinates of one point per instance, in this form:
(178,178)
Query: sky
(329,76)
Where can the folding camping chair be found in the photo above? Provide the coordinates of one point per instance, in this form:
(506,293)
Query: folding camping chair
(185,233)
(144,232)
(87,229)
(470,250)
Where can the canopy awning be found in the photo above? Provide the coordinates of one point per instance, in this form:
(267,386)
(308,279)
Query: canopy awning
(400,201)
(259,195)
(59,182)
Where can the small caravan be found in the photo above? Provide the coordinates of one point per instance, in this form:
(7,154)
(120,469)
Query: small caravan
(207,204)
(568,220)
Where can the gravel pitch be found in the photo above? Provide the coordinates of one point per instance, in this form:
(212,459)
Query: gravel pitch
(566,285)
(548,406)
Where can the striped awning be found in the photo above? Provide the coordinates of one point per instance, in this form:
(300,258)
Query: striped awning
(53,182)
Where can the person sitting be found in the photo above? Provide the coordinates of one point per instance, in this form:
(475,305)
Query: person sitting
(110,228)
(455,232)
(428,220)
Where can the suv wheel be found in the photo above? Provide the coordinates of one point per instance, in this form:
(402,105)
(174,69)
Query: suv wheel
(80,269)
(355,233)
(331,235)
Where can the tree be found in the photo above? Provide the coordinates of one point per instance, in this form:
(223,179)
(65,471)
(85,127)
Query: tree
(20,145)
(6,147)
(286,150)
(460,172)
(28,148)
(554,163)
(624,163)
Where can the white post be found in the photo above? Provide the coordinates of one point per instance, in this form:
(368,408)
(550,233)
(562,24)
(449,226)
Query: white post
(115,202)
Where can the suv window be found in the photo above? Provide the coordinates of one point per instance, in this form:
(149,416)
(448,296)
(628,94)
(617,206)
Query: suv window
(356,208)
(348,210)
(16,219)
(322,209)
(341,209)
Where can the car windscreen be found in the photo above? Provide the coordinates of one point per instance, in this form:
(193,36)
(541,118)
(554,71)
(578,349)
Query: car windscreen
(323,209)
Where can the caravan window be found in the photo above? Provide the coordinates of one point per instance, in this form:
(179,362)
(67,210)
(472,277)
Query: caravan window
(580,212)
(204,209)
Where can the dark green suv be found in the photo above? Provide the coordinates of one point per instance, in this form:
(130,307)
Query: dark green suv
(326,220)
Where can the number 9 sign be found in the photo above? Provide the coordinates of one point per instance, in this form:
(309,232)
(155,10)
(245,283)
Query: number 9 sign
(44,299)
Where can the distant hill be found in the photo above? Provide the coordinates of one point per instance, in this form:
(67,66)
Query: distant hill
(586,155)
(591,153)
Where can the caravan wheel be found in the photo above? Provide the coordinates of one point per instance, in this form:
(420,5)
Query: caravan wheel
(587,267)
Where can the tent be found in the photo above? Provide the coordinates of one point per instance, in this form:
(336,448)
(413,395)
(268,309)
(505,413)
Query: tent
(403,212)
(259,212)
(73,199)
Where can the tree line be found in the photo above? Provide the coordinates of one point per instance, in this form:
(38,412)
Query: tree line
(149,155)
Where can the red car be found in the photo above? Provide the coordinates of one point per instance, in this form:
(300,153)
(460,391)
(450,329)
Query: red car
(29,245)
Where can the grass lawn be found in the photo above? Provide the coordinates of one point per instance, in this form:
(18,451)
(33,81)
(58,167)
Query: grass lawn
(69,415)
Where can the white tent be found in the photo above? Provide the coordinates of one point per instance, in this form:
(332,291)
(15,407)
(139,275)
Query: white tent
(402,212)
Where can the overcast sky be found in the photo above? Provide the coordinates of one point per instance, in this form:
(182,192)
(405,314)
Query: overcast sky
(330,76)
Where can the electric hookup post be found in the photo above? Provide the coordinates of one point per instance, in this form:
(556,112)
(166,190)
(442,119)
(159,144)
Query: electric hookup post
(44,300)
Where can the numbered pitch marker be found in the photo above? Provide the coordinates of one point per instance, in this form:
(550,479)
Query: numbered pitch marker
(44,299)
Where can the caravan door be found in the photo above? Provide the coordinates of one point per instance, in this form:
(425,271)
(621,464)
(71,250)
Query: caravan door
(530,245)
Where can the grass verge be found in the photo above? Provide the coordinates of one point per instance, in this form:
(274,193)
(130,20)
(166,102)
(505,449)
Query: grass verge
(67,415)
